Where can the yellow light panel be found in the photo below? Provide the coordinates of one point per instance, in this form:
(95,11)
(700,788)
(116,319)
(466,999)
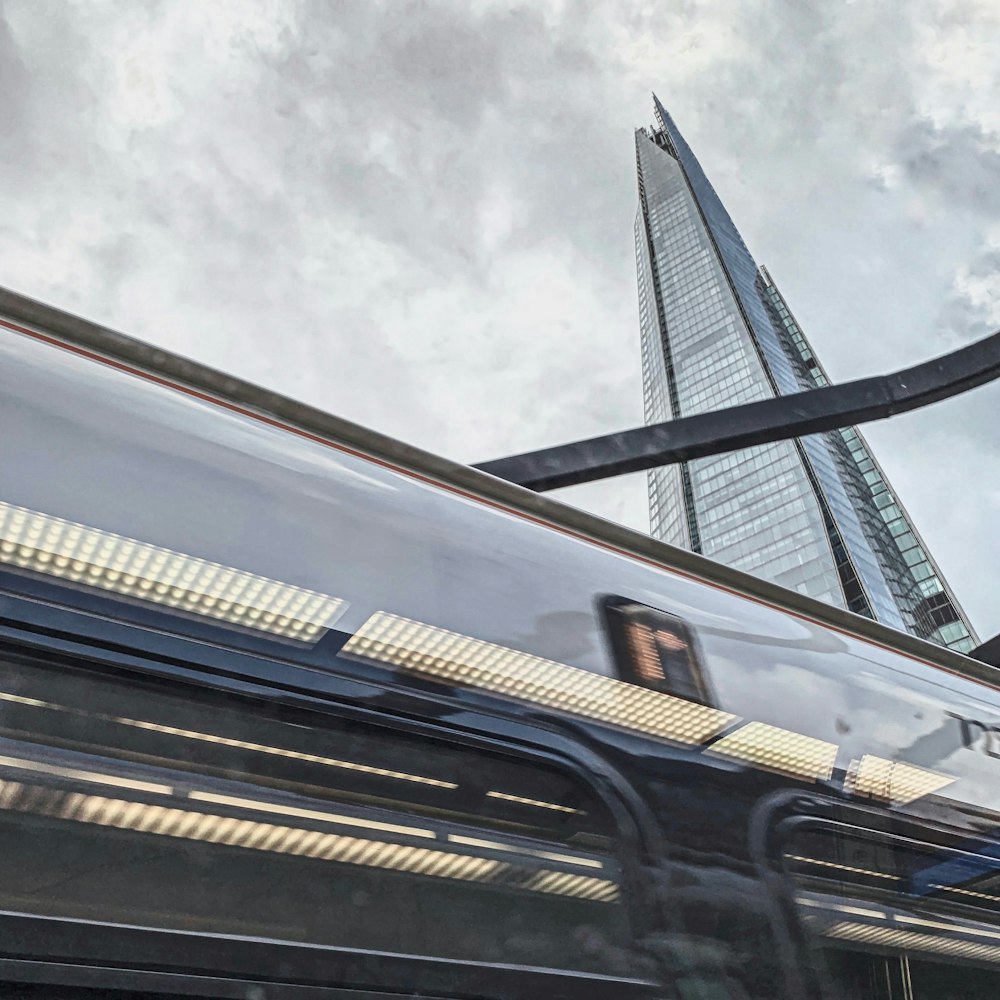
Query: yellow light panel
(76,774)
(858,911)
(567,884)
(493,845)
(892,781)
(170,821)
(68,551)
(992,897)
(938,925)
(893,937)
(538,803)
(460,660)
(779,750)
(297,811)
(842,868)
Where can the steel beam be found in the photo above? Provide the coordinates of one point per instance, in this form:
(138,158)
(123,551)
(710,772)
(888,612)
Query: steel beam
(751,424)
(988,652)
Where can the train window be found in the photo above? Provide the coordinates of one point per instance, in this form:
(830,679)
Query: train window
(656,650)
(46,991)
(129,801)
(188,987)
(894,916)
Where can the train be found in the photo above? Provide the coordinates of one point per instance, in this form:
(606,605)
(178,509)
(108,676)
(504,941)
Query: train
(291,709)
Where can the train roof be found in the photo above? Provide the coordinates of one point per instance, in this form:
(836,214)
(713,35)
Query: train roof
(62,329)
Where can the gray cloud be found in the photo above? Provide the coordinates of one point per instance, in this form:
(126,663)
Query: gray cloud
(959,165)
(13,82)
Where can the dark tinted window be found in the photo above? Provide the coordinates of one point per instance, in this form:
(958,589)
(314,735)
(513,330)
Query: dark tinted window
(898,915)
(130,802)
(656,650)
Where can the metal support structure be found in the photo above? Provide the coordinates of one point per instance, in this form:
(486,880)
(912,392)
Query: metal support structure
(988,652)
(776,419)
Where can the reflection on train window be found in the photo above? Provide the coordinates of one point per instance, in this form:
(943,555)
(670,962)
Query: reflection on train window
(719,940)
(897,916)
(656,650)
(131,802)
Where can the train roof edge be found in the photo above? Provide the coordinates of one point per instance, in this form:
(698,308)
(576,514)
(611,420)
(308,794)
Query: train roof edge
(110,345)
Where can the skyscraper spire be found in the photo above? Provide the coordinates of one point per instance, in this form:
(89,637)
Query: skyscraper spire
(815,515)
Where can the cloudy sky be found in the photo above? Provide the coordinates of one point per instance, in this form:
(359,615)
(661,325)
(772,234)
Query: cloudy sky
(419,215)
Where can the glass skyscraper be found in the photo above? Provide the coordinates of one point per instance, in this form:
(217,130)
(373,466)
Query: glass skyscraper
(816,514)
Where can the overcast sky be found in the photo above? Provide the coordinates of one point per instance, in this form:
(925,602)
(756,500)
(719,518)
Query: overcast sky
(419,215)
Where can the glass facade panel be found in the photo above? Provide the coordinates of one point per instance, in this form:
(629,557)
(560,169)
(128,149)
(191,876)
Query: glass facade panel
(737,498)
(667,510)
(815,515)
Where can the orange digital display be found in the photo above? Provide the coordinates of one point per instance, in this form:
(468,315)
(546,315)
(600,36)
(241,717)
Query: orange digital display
(656,650)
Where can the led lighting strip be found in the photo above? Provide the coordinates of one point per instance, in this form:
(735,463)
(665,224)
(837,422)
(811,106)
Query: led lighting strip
(65,550)
(892,781)
(227,741)
(538,803)
(779,750)
(992,897)
(460,660)
(891,937)
(169,821)
(493,845)
(103,778)
(842,868)
(986,932)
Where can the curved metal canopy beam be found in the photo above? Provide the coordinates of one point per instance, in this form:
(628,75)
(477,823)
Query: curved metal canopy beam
(768,420)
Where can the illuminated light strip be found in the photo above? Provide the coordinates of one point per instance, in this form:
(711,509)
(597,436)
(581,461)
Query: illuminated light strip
(453,658)
(955,928)
(169,821)
(779,750)
(369,824)
(856,911)
(567,884)
(238,744)
(569,859)
(967,892)
(839,867)
(72,772)
(891,937)
(66,550)
(282,752)
(892,781)
(530,802)
(21,700)
(642,646)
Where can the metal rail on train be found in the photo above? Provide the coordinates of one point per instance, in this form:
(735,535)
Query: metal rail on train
(288,709)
